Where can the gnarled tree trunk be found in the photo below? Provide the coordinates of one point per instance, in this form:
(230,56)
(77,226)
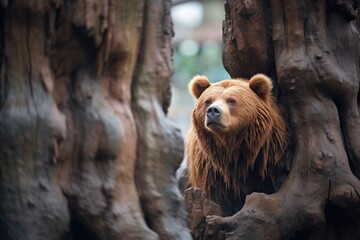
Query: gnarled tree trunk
(86,150)
(312,51)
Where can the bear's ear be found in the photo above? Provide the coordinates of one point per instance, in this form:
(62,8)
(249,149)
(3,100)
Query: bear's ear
(261,85)
(198,85)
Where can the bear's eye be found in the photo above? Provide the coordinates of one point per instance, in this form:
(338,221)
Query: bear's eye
(207,103)
(231,102)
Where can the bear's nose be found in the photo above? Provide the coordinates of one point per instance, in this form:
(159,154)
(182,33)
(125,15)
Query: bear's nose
(213,111)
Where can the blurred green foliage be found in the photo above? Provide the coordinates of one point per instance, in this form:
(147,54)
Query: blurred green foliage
(206,62)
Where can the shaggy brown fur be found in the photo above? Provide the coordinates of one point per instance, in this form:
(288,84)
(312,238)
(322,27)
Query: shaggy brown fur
(229,159)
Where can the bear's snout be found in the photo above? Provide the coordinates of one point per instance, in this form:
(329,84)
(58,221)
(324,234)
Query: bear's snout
(215,119)
(213,112)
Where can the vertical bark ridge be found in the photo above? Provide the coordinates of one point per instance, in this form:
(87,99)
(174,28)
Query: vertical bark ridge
(160,197)
(30,195)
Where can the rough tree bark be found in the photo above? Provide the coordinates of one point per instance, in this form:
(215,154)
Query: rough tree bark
(312,51)
(86,150)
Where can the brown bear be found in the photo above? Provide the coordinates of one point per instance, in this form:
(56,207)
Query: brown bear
(237,135)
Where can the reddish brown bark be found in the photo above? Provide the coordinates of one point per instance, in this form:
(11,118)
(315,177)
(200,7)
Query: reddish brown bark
(86,150)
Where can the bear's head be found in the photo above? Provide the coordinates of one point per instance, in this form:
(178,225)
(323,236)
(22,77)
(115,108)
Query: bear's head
(230,105)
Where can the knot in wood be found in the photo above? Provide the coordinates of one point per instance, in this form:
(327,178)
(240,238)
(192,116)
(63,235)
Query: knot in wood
(331,137)
(319,162)
(320,155)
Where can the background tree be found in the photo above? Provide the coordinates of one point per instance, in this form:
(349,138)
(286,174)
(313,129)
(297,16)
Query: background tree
(311,49)
(86,150)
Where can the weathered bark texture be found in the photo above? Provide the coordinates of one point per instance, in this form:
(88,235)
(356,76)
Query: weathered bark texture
(312,50)
(86,150)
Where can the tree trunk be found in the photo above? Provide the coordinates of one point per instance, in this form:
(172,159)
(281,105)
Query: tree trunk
(312,51)
(86,150)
